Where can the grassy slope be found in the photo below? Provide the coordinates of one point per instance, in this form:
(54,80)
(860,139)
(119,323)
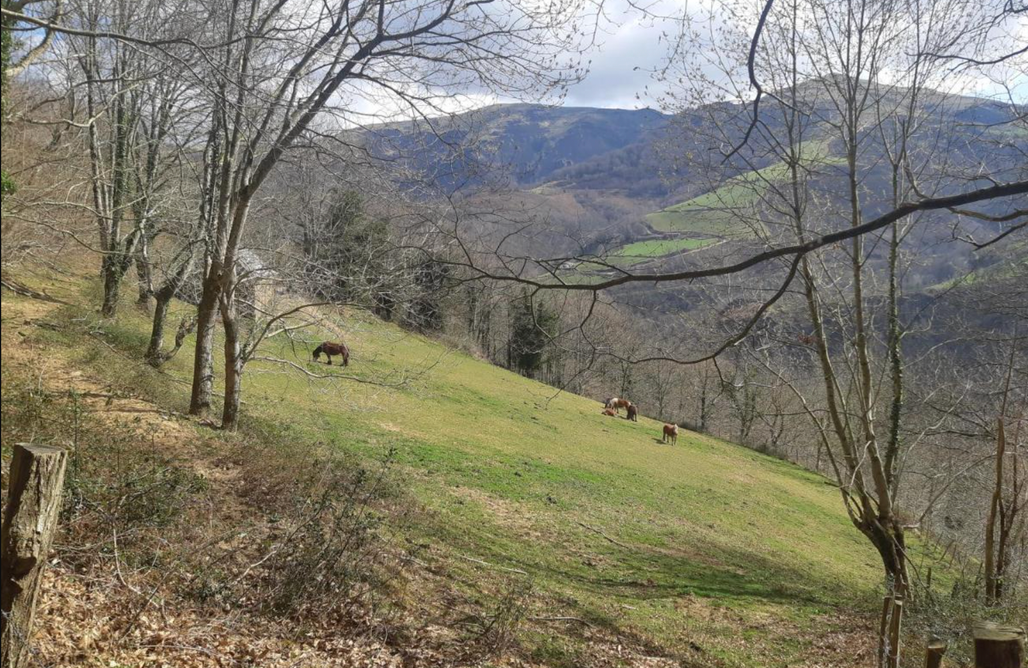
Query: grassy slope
(658,247)
(704,545)
(722,212)
(1015,266)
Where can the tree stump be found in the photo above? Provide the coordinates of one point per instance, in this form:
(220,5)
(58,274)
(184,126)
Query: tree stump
(997,646)
(30,520)
(936,650)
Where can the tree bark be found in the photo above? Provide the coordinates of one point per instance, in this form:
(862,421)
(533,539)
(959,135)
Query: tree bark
(160,315)
(992,572)
(995,546)
(144,273)
(233,368)
(162,298)
(203,355)
(114,266)
(30,521)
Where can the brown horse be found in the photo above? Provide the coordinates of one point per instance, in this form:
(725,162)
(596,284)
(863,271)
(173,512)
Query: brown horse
(609,412)
(633,412)
(616,404)
(331,349)
(670,433)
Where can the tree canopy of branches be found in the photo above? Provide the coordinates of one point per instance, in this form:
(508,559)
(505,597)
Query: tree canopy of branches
(239,85)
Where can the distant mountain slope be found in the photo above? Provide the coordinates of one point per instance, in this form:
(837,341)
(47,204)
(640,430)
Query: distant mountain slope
(601,180)
(530,141)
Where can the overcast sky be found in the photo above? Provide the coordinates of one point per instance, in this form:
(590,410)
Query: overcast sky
(620,74)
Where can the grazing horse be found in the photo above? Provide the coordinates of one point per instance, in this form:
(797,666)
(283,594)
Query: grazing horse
(331,349)
(633,412)
(670,433)
(616,404)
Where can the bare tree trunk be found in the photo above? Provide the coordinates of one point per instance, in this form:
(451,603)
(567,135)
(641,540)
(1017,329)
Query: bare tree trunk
(163,297)
(144,272)
(993,591)
(233,366)
(160,315)
(203,355)
(120,250)
(112,275)
(995,548)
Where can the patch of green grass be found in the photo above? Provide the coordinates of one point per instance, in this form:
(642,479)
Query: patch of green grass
(659,247)
(669,545)
(1016,266)
(725,212)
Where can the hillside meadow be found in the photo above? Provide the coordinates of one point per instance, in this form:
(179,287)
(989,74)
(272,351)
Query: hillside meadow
(703,554)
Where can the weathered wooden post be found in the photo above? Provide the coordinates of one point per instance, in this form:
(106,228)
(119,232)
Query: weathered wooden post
(998,646)
(883,630)
(895,627)
(936,650)
(29,523)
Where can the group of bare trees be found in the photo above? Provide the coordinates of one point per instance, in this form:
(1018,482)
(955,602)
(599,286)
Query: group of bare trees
(843,157)
(185,110)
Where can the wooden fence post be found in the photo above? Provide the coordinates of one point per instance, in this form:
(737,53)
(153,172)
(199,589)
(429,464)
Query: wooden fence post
(895,627)
(997,646)
(883,631)
(936,650)
(30,520)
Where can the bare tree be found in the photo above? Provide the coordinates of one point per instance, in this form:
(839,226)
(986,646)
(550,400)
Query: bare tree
(1008,498)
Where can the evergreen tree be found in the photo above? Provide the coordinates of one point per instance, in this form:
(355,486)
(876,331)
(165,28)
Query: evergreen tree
(425,308)
(346,252)
(532,327)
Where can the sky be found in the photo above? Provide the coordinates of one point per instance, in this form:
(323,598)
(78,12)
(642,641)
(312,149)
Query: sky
(621,72)
(631,48)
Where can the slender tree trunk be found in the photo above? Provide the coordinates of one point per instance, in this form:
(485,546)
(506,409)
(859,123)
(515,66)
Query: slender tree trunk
(119,251)
(233,367)
(203,355)
(144,272)
(995,545)
(895,361)
(162,297)
(890,541)
(160,315)
(993,575)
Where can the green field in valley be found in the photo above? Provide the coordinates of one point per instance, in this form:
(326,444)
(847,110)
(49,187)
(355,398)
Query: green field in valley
(727,211)
(659,247)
